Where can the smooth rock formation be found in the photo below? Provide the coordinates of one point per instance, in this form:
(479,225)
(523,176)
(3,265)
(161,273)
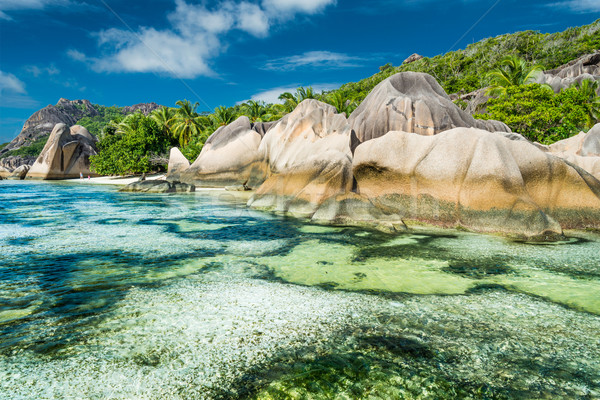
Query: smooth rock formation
(177,163)
(229,157)
(586,67)
(582,150)
(475,179)
(158,186)
(65,155)
(19,173)
(412,102)
(307,160)
(4,172)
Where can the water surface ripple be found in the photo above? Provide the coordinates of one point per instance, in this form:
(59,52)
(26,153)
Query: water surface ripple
(108,295)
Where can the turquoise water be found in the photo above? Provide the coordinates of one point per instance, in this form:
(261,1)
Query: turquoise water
(126,296)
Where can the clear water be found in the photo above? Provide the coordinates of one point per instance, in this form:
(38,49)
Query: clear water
(107,295)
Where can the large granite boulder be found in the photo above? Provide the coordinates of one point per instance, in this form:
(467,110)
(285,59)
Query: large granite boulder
(307,160)
(19,173)
(586,67)
(65,155)
(4,172)
(229,157)
(476,179)
(177,163)
(412,102)
(158,186)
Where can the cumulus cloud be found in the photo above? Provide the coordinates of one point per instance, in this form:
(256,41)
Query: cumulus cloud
(314,59)
(196,36)
(580,5)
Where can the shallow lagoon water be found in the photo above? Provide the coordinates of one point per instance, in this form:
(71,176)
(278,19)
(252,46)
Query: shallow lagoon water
(127,296)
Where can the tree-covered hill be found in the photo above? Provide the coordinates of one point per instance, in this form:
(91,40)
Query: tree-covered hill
(466,70)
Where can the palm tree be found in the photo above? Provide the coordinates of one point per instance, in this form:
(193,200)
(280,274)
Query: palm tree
(164,118)
(186,122)
(341,103)
(513,71)
(223,116)
(305,93)
(290,102)
(589,89)
(130,124)
(255,110)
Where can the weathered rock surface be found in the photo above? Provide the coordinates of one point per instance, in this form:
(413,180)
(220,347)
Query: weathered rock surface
(158,186)
(412,102)
(19,173)
(145,108)
(307,160)
(586,67)
(13,162)
(229,157)
(4,172)
(412,58)
(476,179)
(582,150)
(177,163)
(65,155)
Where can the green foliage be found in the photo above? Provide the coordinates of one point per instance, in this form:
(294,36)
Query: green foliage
(130,149)
(96,124)
(513,71)
(539,114)
(32,150)
(466,70)
(3,145)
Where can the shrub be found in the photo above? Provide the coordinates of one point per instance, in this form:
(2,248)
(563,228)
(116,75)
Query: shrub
(539,114)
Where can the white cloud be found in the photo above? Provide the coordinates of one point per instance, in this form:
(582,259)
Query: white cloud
(272,95)
(315,59)
(13,93)
(296,6)
(10,84)
(579,5)
(17,5)
(195,37)
(38,71)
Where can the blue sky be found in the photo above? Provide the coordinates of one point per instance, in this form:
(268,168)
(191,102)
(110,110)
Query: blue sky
(222,52)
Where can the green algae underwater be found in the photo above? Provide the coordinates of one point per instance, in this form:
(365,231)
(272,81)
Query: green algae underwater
(107,295)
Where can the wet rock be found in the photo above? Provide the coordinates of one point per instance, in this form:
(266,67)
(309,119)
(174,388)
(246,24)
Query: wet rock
(65,155)
(307,160)
(19,173)
(158,186)
(412,102)
(476,179)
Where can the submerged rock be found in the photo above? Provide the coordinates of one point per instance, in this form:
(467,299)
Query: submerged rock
(66,154)
(158,186)
(412,102)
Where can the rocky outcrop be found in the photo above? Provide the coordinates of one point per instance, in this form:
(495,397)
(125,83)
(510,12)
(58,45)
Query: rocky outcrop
(229,157)
(412,58)
(586,67)
(13,162)
(582,150)
(412,102)
(177,163)
(312,164)
(67,112)
(19,173)
(145,108)
(476,179)
(65,155)
(158,186)
(306,158)
(4,172)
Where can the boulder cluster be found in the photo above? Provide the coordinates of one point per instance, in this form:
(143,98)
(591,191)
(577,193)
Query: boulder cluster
(406,155)
(65,155)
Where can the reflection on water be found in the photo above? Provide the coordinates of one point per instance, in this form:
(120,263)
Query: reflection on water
(113,295)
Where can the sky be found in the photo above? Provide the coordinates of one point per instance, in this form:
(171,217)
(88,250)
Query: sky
(223,52)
